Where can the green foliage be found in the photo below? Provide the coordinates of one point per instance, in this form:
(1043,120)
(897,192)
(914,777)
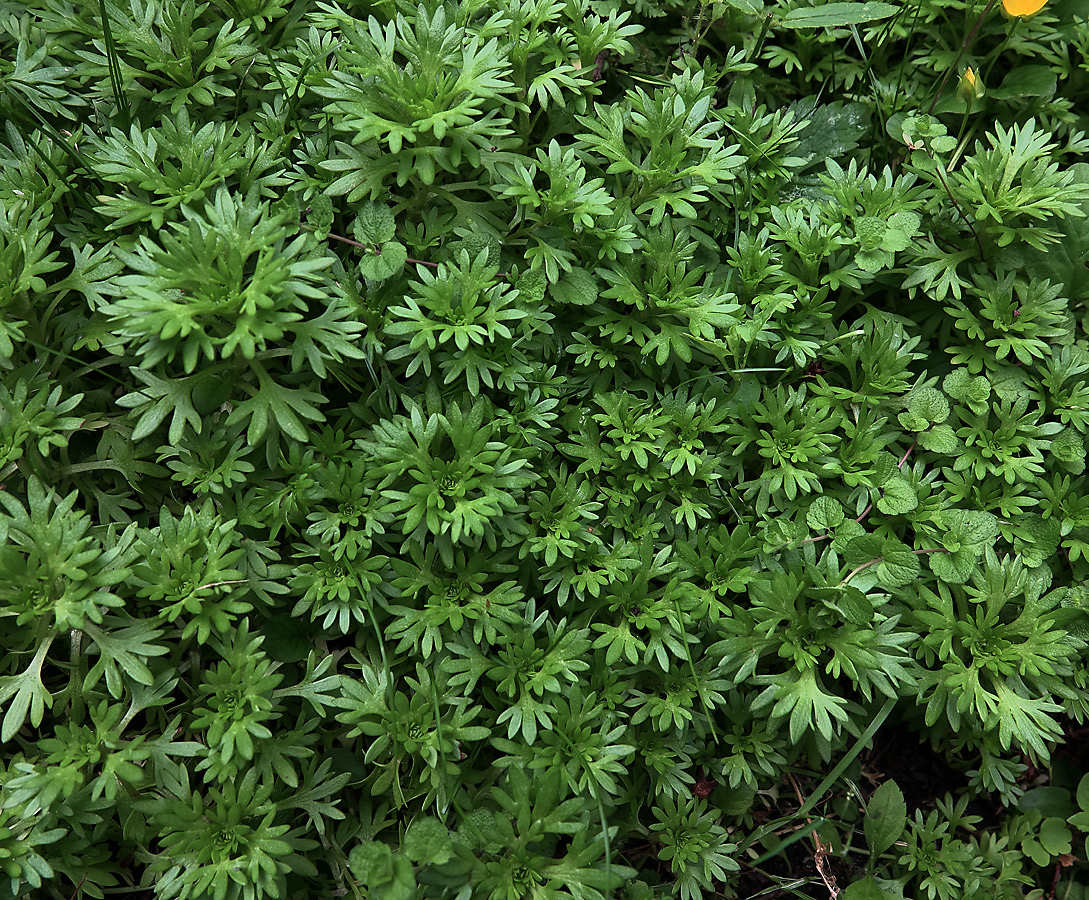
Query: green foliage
(542,450)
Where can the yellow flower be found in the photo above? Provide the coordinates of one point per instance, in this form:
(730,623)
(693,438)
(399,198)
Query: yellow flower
(970,87)
(1018,8)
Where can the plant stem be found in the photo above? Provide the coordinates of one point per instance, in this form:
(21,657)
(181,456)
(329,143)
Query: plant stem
(77,706)
(945,184)
(1001,47)
(874,562)
(963,49)
(376,251)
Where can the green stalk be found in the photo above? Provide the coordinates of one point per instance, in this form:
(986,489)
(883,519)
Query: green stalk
(765,26)
(965,44)
(77,705)
(113,64)
(800,835)
(692,669)
(849,757)
(831,778)
(1001,47)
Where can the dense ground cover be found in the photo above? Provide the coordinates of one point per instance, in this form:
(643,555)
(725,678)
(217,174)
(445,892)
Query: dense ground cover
(542,449)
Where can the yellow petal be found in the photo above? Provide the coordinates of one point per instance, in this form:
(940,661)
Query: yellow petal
(1023,7)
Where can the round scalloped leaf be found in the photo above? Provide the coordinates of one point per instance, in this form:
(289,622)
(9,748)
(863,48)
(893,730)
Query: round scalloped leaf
(1010,383)
(898,566)
(902,228)
(911,422)
(1037,539)
(871,232)
(402,886)
(1069,449)
(973,529)
(824,514)
(961,385)
(1035,851)
(1047,801)
(939,439)
(862,550)
(929,403)
(320,216)
(780,532)
(956,568)
(476,243)
(847,532)
(477,830)
(855,606)
(531,286)
(1055,837)
(872,260)
(371,862)
(897,497)
(374,224)
(383,262)
(885,467)
(578,287)
(427,841)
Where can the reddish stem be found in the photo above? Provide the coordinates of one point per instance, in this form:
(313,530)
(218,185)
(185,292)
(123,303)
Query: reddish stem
(874,562)
(78,886)
(903,459)
(377,252)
